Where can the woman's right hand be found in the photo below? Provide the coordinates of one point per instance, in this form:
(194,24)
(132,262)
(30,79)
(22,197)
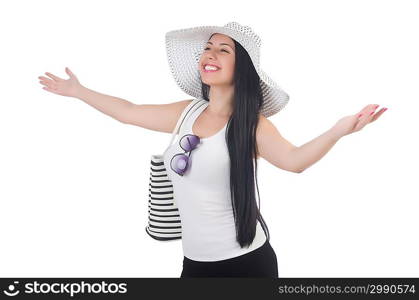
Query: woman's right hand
(64,87)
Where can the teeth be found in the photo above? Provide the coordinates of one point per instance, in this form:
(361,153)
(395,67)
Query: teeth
(210,68)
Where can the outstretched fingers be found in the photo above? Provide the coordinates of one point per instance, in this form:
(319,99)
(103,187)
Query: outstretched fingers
(378,114)
(56,78)
(365,116)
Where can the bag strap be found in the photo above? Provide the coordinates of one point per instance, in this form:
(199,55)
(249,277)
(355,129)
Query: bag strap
(182,117)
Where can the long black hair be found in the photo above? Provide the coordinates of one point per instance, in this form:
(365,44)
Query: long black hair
(241,142)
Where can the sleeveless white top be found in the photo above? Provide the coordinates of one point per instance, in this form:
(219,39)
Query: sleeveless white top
(203,198)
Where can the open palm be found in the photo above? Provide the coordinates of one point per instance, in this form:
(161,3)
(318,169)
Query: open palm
(353,123)
(65,87)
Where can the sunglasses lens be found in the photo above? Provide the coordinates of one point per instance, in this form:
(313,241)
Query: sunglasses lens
(189,142)
(179,163)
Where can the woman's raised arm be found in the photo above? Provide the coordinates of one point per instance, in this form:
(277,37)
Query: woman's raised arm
(158,117)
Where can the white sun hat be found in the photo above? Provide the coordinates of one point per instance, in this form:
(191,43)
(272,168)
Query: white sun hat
(184,49)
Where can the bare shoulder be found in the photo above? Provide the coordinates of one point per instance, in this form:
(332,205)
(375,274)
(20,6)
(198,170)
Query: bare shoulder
(272,146)
(264,126)
(262,129)
(157,117)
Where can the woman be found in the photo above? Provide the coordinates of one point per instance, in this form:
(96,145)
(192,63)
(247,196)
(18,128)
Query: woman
(223,232)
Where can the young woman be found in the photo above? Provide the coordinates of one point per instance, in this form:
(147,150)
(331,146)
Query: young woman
(223,232)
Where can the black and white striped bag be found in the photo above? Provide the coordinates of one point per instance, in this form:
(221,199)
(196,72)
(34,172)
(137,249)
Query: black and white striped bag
(163,215)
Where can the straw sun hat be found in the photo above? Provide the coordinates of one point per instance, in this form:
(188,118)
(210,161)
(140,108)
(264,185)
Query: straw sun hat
(185,46)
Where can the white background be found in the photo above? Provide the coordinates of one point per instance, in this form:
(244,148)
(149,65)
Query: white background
(74,181)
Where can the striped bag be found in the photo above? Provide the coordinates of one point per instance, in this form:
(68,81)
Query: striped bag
(163,215)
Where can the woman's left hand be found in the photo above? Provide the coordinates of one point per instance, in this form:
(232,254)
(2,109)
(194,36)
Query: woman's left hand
(353,123)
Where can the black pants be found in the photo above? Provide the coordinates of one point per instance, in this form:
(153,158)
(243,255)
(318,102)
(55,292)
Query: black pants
(261,262)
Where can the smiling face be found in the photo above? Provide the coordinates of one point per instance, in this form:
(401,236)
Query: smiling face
(219,51)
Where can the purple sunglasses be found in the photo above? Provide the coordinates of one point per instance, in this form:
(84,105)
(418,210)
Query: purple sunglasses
(180,161)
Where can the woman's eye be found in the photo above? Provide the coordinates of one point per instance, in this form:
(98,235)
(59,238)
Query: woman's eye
(221,49)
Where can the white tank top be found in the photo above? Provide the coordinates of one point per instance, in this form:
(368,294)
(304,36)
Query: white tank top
(203,198)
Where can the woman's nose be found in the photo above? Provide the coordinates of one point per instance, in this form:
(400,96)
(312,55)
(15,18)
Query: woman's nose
(209,53)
